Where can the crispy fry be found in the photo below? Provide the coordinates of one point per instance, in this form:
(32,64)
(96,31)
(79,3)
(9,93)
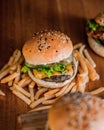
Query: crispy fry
(40,92)
(31,86)
(4,73)
(24,82)
(81,82)
(13,67)
(69,88)
(97,91)
(93,75)
(82,63)
(22,97)
(74,89)
(51,92)
(10,83)
(40,108)
(81,50)
(61,90)
(10,62)
(9,78)
(24,75)
(21,60)
(19,72)
(39,101)
(2,93)
(26,93)
(77,46)
(49,102)
(89,58)
(17,56)
(4,67)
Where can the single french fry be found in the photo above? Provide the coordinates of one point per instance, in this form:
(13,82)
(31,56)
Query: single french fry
(89,58)
(17,56)
(49,102)
(10,62)
(81,82)
(13,67)
(26,93)
(10,83)
(24,82)
(77,46)
(93,75)
(97,91)
(22,97)
(39,101)
(4,73)
(4,67)
(21,60)
(74,89)
(24,75)
(40,108)
(51,92)
(69,88)
(61,90)
(19,72)
(40,92)
(2,93)
(9,78)
(31,86)
(81,50)
(82,63)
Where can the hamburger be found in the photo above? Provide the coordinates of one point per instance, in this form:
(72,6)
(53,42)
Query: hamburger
(49,59)
(95,33)
(77,111)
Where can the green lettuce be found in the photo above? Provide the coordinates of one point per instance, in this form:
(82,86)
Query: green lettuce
(92,25)
(48,70)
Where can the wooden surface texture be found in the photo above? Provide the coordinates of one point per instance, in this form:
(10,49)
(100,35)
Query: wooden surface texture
(19,19)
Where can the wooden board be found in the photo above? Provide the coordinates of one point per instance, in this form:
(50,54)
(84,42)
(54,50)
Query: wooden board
(19,19)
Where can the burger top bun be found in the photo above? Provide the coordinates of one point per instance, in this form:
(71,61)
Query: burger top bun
(47,47)
(77,111)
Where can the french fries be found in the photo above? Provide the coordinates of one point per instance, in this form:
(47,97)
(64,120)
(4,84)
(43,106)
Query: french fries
(39,97)
(2,93)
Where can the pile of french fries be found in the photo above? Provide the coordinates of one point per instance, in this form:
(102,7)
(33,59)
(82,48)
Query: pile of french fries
(38,97)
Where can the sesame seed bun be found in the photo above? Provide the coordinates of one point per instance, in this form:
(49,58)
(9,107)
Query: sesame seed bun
(47,47)
(77,111)
(96,47)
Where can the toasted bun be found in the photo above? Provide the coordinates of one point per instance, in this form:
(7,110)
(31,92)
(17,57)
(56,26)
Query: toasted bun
(97,48)
(47,47)
(54,84)
(77,111)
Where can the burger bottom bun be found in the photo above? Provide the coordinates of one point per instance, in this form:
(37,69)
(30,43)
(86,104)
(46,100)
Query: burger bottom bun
(77,111)
(97,48)
(54,84)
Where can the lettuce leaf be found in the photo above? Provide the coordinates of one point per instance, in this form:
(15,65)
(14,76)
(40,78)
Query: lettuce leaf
(92,24)
(48,70)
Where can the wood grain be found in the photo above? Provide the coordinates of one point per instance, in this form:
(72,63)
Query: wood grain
(19,19)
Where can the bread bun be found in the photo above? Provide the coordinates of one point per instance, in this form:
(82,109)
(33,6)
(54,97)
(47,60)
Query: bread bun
(77,111)
(47,47)
(97,48)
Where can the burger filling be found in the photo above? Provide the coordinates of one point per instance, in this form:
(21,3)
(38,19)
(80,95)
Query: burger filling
(57,72)
(95,31)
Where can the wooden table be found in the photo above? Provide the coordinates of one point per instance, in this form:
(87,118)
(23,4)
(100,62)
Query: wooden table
(19,19)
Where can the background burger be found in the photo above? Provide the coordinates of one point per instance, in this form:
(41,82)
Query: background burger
(95,33)
(49,59)
(77,111)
